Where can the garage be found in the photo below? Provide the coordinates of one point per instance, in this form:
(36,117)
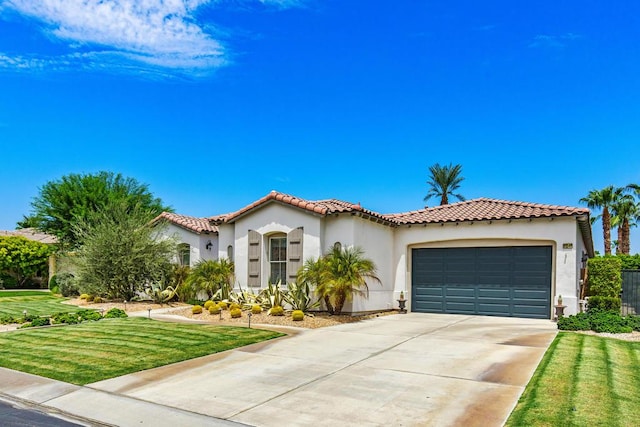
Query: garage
(513,281)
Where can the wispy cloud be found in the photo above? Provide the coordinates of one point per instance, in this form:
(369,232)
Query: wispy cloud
(553,41)
(118,34)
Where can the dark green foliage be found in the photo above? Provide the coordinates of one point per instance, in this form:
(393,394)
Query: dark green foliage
(600,321)
(68,284)
(53,284)
(605,278)
(60,204)
(630,262)
(611,322)
(66,318)
(40,321)
(89,315)
(578,322)
(599,303)
(115,313)
(23,260)
(6,319)
(444,181)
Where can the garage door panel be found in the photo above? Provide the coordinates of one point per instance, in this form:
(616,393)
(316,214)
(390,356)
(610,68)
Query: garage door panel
(505,281)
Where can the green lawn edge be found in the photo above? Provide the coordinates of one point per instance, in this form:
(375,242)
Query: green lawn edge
(95,351)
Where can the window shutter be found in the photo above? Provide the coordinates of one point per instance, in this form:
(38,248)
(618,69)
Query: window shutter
(254,259)
(294,253)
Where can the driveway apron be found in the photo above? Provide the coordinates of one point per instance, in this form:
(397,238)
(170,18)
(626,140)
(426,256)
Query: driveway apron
(407,370)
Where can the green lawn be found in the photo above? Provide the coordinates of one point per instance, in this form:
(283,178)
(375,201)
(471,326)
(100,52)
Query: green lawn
(94,351)
(583,380)
(13,303)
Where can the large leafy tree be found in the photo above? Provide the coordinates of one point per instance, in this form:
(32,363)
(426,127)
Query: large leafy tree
(340,275)
(122,253)
(444,181)
(78,197)
(23,260)
(604,199)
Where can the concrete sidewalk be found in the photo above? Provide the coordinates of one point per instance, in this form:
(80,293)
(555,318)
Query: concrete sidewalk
(414,369)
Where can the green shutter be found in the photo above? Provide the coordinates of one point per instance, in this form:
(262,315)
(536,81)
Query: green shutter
(254,259)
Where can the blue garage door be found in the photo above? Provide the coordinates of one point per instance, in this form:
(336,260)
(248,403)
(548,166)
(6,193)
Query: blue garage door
(512,281)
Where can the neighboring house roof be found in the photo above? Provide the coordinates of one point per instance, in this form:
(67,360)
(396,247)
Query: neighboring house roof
(320,207)
(31,234)
(198,225)
(484,209)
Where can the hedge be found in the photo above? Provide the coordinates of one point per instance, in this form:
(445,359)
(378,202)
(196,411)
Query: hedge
(605,277)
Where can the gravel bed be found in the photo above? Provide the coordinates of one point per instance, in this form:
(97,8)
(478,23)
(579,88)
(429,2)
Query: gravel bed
(317,320)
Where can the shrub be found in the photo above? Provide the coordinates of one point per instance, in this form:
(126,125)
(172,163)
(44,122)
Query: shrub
(600,303)
(235,312)
(629,262)
(610,322)
(67,318)
(53,285)
(195,302)
(297,315)
(223,305)
(85,296)
(214,309)
(276,311)
(89,315)
(67,284)
(208,304)
(40,321)
(234,305)
(577,322)
(5,319)
(256,309)
(196,309)
(97,300)
(605,278)
(115,313)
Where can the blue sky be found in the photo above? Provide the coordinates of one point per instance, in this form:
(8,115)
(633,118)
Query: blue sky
(215,103)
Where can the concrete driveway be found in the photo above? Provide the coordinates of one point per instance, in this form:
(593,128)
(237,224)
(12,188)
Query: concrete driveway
(414,369)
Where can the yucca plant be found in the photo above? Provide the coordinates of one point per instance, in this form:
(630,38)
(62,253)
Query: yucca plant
(271,296)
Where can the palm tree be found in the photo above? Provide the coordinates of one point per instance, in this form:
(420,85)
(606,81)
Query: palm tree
(625,214)
(346,274)
(314,273)
(443,181)
(604,199)
(212,277)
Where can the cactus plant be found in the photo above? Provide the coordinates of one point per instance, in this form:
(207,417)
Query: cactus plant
(234,305)
(196,309)
(256,309)
(214,309)
(276,311)
(297,315)
(235,312)
(208,304)
(223,305)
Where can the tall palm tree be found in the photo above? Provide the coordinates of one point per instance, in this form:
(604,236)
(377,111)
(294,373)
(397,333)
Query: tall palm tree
(604,199)
(625,214)
(443,181)
(346,275)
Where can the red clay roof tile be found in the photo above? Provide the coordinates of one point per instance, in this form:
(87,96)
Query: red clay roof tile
(199,225)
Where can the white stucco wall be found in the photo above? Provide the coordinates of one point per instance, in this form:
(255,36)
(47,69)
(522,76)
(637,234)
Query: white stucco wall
(267,220)
(556,233)
(197,243)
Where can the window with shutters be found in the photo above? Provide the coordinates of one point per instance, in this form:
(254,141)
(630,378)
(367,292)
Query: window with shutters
(278,259)
(184,254)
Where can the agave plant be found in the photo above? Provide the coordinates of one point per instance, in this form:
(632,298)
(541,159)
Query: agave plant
(245,299)
(160,295)
(271,296)
(299,296)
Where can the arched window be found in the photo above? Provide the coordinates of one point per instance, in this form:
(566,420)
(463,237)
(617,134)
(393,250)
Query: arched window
(278,259)
(230,253)
(337,246)
(184,254)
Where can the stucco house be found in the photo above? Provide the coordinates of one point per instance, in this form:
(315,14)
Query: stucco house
(482,256)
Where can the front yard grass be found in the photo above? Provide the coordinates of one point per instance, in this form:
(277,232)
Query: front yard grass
(34,302)
(583,380)
(94,351)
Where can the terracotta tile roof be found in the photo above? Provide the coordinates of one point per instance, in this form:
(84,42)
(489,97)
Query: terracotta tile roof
(31,234)
(320,207)
(198,225)
(484,209)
